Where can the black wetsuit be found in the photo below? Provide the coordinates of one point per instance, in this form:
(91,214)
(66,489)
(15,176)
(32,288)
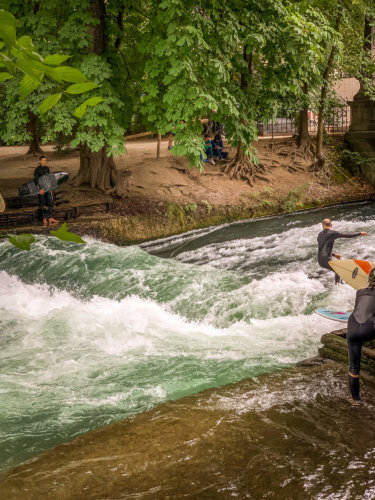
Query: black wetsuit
(326,239)
(46,198)
(361,328)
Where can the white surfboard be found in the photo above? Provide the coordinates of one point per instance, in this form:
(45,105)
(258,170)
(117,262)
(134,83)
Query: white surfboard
(353,271)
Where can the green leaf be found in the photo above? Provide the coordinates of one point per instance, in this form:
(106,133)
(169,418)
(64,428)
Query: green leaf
(26,43)
(5,76)
(93,101)
(22,241)
(80,111)
(63,234)
(8,34)
(56,59)
(27,67)
(27,85)
(79,88)
(66,74)
(49,102)
(7,19)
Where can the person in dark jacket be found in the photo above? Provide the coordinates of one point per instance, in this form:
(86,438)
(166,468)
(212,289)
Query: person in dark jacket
(361,328)
(326,239)
(218,147)
(45,198)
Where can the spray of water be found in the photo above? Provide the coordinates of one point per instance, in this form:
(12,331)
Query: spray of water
(91,334)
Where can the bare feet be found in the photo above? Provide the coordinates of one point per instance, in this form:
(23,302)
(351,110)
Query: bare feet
(45,222)
(53,221)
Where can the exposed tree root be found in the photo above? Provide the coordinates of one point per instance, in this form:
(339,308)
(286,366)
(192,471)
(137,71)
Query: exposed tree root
(318,163)
(321,170)
(306,150)
(296,154)
(242,168)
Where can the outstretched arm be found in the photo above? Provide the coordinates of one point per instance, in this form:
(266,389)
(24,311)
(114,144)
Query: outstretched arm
(348,235)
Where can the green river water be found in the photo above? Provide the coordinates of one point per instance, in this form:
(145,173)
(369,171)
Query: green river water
(96,333)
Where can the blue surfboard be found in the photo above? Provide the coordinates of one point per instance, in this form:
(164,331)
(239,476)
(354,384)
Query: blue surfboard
(335,315)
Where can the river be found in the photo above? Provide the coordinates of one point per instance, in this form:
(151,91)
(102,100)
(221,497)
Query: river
(91,334)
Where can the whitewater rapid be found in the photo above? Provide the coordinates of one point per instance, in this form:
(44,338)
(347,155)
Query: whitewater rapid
(93,333)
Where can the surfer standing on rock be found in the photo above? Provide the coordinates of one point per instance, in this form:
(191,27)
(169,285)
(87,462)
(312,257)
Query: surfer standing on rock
(43,196)
(361,328)
(326,239)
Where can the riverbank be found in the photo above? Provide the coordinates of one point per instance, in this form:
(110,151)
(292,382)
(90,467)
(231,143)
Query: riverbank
(164,197)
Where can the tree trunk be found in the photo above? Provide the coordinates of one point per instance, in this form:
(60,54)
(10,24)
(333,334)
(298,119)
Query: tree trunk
(303,121)
(32,130)
(303,127)
(304,143)
(96,168)
(241,167)
(323,95)
(158,146)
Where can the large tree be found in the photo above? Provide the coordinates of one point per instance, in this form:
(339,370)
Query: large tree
(236,58)
(78,30)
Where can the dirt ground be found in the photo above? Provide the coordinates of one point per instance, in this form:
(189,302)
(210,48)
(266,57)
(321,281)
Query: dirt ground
(169,178)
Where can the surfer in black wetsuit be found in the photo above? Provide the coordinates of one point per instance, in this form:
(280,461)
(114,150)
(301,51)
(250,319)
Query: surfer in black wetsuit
(45,198)
(326,239)
(361,328)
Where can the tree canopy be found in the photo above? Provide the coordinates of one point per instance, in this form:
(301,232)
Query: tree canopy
(162,65)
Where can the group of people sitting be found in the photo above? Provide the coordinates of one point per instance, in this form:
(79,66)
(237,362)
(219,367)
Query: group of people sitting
(214,149)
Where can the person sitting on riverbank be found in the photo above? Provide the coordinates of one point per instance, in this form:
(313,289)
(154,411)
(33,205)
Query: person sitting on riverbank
(45,198)
(208,149)
(326,239)
(361,328)
(218,147)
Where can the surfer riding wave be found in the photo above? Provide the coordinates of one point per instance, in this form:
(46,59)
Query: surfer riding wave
(326,240)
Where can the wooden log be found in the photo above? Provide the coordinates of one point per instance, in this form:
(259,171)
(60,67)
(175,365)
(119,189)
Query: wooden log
(136,136)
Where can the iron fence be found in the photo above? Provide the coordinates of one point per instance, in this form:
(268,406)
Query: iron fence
(337,120)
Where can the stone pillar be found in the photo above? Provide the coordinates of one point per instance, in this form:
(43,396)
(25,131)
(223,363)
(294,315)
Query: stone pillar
(361,134)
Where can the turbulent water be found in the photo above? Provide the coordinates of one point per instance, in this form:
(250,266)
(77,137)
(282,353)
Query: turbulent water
(93,333)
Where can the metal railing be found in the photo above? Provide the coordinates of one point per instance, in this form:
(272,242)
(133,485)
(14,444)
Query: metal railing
(337,120)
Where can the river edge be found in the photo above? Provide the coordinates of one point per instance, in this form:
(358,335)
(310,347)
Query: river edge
(157,220)
(269,436)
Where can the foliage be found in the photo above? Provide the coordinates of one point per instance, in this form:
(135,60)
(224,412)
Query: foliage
(22,241)
(20,54)
(199,55)
(63,234)
(355,158)
(207,205)
(190,208)
(95,112)
(293,199)
(169,63)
